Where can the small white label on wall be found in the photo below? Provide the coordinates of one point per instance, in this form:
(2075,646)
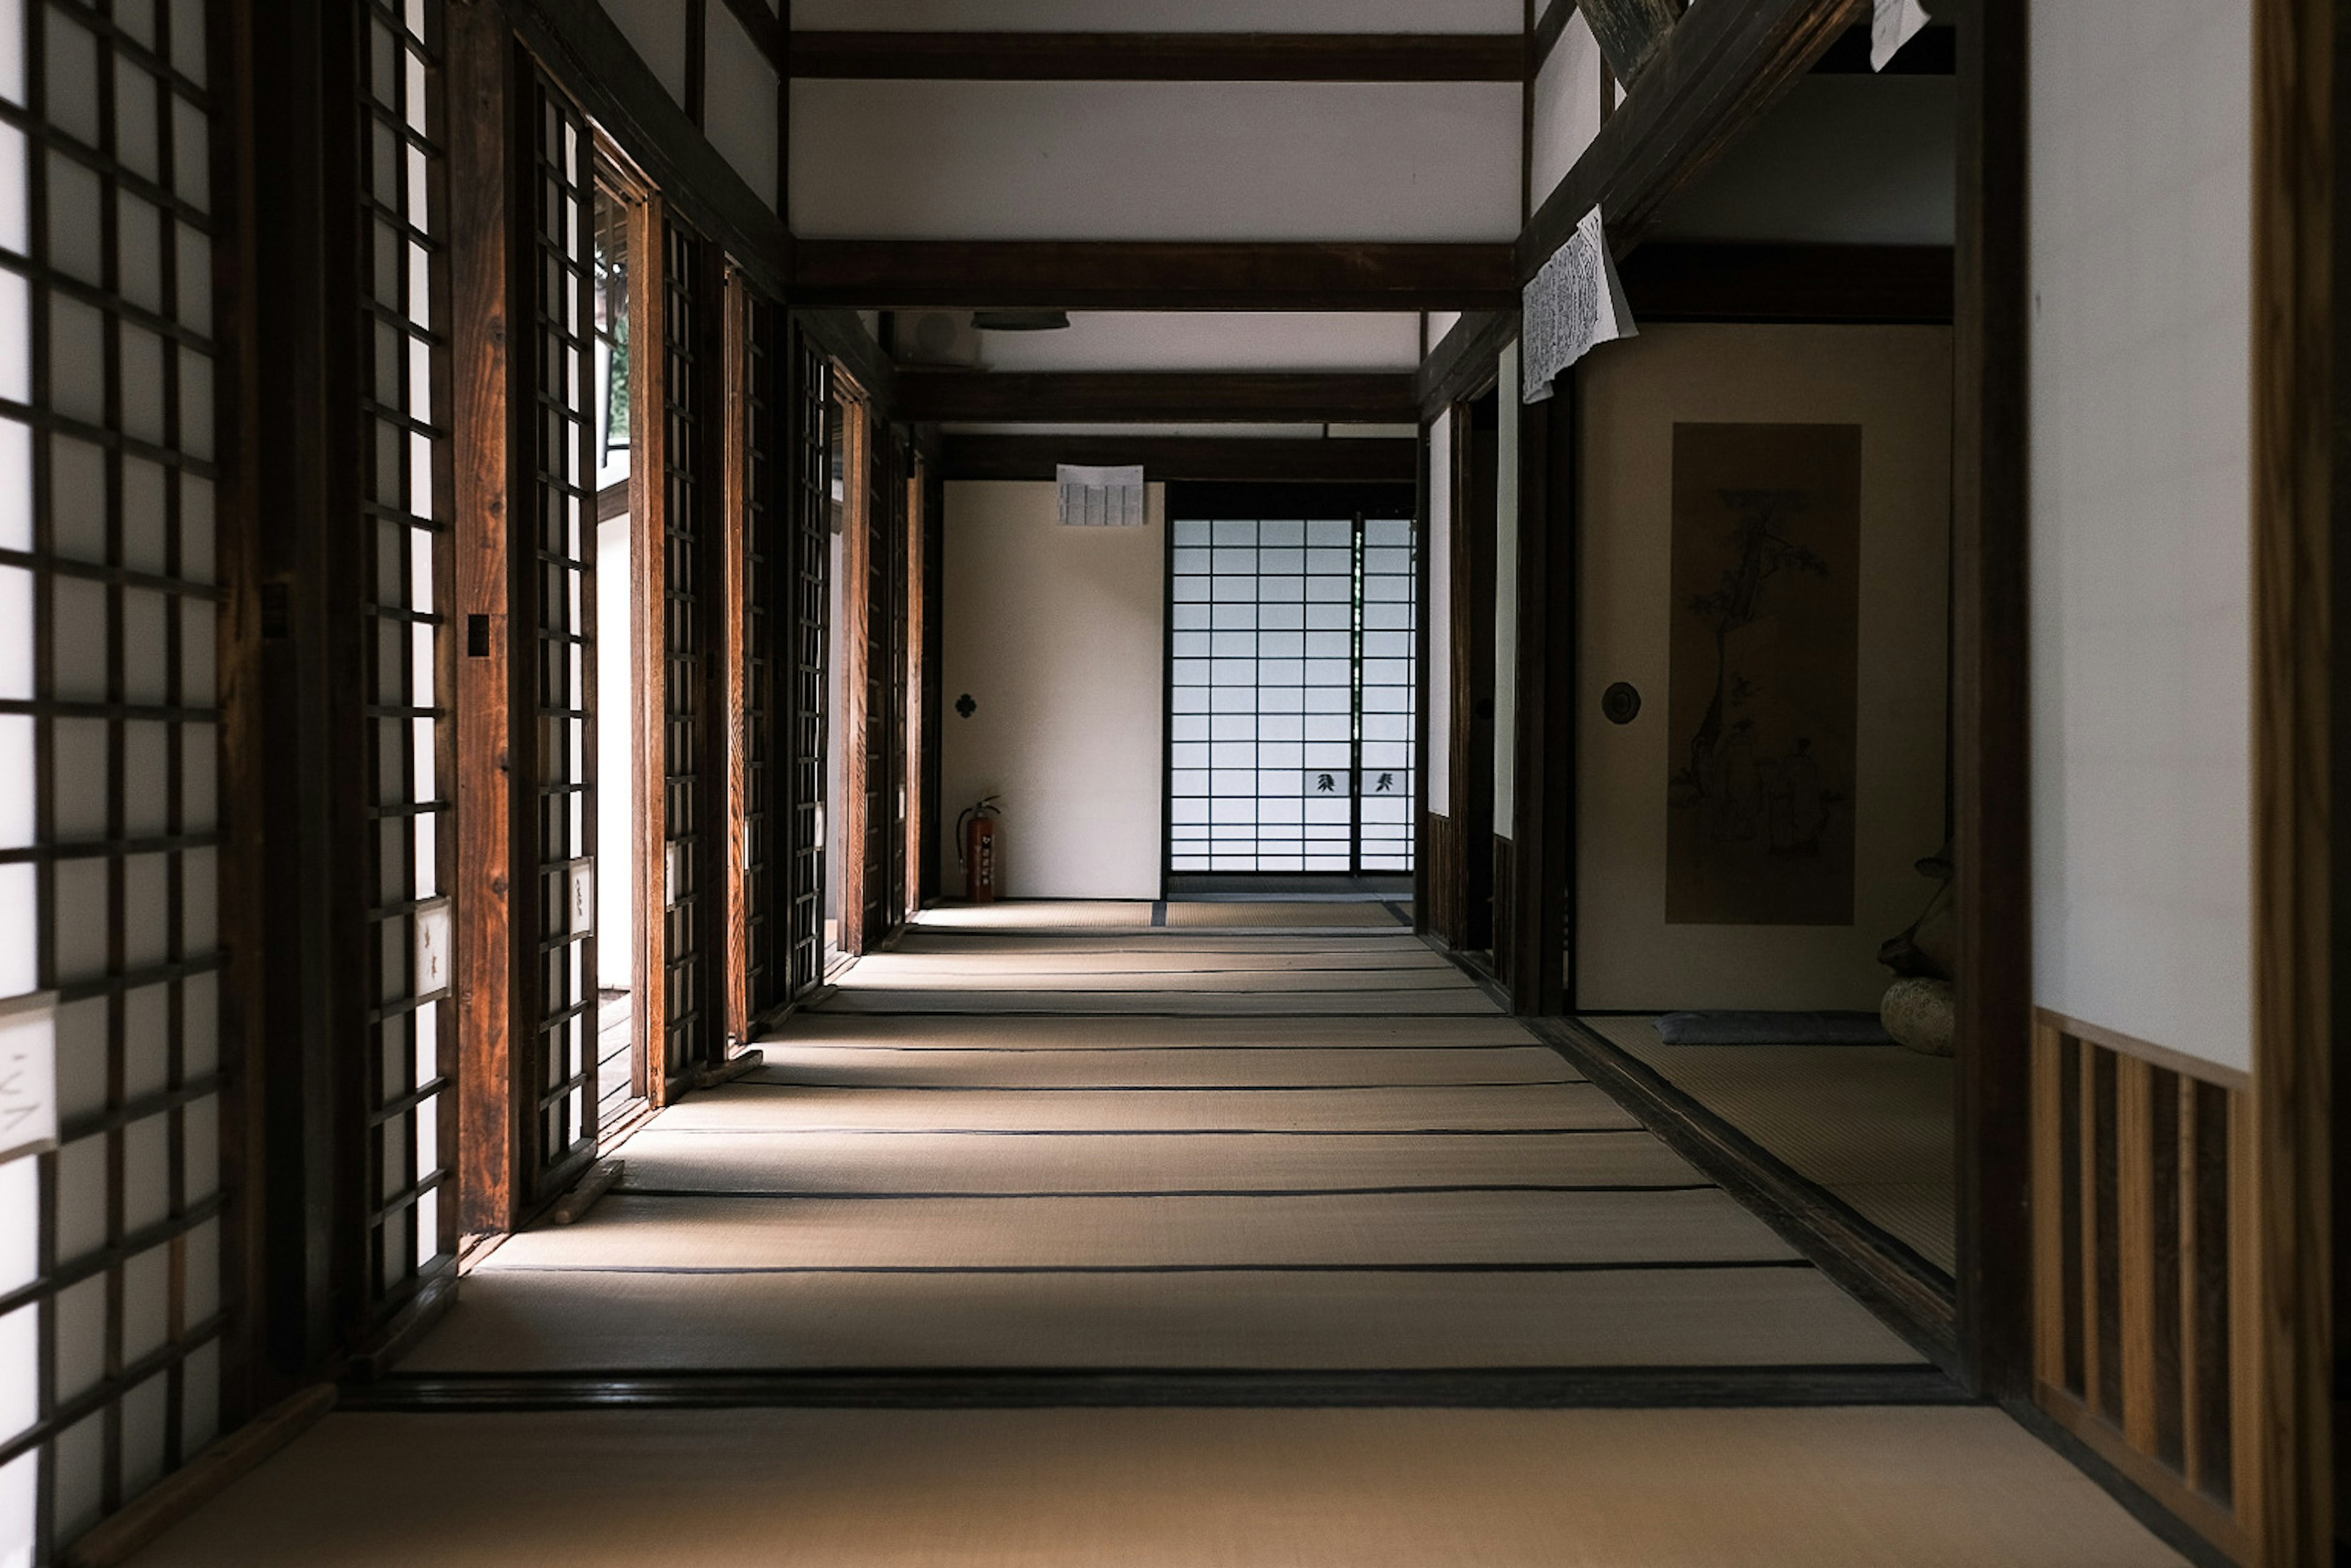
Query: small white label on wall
(583,898)
(28,1074)
(432,947)
(1100,497)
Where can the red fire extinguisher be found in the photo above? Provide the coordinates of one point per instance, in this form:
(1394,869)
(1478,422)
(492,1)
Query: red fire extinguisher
(975,829)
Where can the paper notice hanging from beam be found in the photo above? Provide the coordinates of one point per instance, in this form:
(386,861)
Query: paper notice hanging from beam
(1575,303)
(1894,24)
(1100,497)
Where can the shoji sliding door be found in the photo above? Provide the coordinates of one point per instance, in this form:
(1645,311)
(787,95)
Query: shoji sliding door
(1290,679)
(763,363)
(806,582)
(556,606)
(691,434)
(403,523)
(112,1302)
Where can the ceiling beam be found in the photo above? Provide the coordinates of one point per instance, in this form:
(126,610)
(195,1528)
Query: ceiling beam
(1153,274)
(1228,457)
(1159,56)
(1714,75)
(766,31)
(1152,396)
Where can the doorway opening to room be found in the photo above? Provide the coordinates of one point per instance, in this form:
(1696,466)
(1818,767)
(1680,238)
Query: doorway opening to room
(1290,762)
(616,625)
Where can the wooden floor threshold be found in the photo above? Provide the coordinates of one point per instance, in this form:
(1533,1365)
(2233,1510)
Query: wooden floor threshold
(1605,1388)
(1910,1294)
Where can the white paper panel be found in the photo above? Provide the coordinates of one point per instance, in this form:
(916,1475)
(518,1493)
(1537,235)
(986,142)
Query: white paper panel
(1567,108)
(2141,632)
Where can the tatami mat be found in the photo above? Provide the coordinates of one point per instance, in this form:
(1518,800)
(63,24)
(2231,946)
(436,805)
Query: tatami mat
(1254,915)
(1270,1066)
(1155,1489)
(529,1320)
(917,975)
(1439,1108)
(1371,996)
(1060,959)
(1172,1035)
(1418,1229)
(817,1164)
(1874,1124)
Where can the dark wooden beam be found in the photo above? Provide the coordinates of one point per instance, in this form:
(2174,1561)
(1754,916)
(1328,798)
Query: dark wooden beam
(1229,457)
(842,336)
(1716,73)
(1852,282)
(1153,274)
(585,50)
(1545,36)
(1159,56)
(769,34)
(1463,361)
(1630,32)
(1072,397)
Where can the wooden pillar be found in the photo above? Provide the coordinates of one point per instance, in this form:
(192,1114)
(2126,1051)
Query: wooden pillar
(1543,831)
(1990,713)
(481,98)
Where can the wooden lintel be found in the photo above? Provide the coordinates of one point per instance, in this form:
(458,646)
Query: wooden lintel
(1003,56)
(1718,69)
(1630,32)
(1148,396)
(1463,361)
(1153,274)
(1832,283)
(1182,457)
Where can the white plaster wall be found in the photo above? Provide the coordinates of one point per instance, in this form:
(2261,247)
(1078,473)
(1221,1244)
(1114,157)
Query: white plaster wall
(657,30)
(1566,106)
(2141,182)
(1162,15)
(1506,596)
(1336,340)
(1895,382)
(740,108)
(1156,160)
(1437,766)
(1059,634)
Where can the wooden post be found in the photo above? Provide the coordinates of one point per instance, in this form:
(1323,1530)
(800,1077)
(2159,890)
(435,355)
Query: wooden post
(1990,707)
(481,90)
(2299,475)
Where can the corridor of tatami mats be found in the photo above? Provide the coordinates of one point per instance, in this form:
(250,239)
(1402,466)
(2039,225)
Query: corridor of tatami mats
(1040,1193)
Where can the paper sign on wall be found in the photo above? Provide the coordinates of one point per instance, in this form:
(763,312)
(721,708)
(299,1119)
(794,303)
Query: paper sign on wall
(432,947)
(1100,497)
(1893,24)
(1575,303)
(28,1074)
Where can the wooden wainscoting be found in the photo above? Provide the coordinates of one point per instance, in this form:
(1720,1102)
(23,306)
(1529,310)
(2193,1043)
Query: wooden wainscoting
(2144,1269)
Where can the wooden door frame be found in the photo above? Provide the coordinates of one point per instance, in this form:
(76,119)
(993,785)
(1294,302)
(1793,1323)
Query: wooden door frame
(2301,720)
(646,265)
(846,824)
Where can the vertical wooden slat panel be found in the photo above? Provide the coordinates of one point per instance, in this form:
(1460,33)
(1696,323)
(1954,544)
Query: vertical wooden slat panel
(2192,1243)
(2086,1162)
(2164,1242)
(2049,1048)
(850,644)
(2248,1420)
(649,521)
(732,745)
(2134,1218)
